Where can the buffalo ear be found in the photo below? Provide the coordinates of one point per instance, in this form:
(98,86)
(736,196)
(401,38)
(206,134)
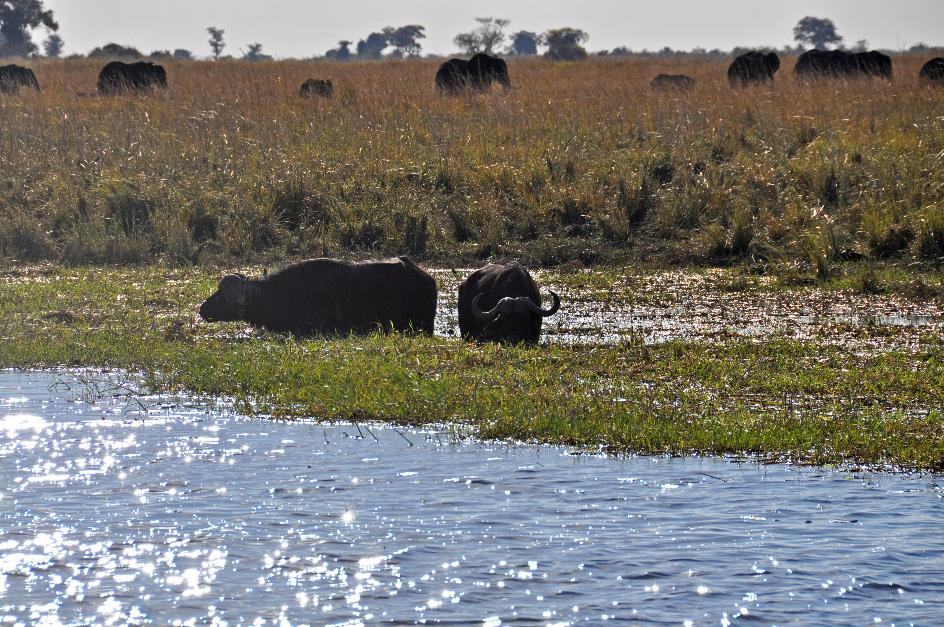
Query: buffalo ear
(234,282)
(230,278)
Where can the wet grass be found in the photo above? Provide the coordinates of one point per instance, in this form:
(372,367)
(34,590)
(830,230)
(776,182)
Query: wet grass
(777,399)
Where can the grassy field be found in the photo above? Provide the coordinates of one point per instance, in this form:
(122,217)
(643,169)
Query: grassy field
(777,397)
(579,163)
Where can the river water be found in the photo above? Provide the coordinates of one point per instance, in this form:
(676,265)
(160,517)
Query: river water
(118,509)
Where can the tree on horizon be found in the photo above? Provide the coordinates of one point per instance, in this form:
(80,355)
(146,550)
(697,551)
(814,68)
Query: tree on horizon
(818,32)
(524,43)
(254,53)
(373,46)
(53,46)
(486,38)
(405,39)
(17,19)
(342,52)
(565,44)
(113,50)
(217,44)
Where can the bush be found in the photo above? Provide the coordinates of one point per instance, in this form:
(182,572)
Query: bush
(930,237)
(126,207)
(885,237)
(22,238)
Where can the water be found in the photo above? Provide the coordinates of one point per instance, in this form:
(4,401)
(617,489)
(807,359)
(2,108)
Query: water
(668,306)
(112,512)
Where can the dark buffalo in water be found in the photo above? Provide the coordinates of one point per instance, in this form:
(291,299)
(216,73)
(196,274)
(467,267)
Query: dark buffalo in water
(327,297)
(933,72)
(672,82)
(12,77)
(501,303)
(314,87)
(131,78)
(478,74)
(815,64)
(753,68)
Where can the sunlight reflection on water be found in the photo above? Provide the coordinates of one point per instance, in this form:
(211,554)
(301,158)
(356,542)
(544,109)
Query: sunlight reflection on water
(112,514)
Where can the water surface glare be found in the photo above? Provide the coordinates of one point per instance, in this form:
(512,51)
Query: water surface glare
(111,513)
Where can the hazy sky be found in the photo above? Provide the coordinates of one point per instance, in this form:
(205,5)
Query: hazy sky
(299,28)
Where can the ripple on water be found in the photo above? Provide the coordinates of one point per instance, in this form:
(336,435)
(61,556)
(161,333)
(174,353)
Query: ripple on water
(179,513)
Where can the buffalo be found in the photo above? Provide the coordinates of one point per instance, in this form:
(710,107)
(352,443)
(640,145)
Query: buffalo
(501,303)
(814,64)
(672,82)
(12,77)
(753,67)
(133,78)
(316,87)
(327,296)
(933,72)
(478,73)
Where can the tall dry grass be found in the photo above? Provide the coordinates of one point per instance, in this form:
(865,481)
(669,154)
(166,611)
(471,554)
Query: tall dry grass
(579,161)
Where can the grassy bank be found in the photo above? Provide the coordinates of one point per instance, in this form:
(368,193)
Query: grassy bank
(580,162)
(777,398)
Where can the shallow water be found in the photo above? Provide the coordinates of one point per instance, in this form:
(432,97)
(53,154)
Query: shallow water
(681,305)
(115,512)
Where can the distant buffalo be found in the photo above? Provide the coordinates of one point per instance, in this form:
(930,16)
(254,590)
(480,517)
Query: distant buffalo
(130,78)
(478,73)
(752,68)
(501,303)
(670,82)
(326,296)
(933,72)
(316,87)
(814,64)
(12,77)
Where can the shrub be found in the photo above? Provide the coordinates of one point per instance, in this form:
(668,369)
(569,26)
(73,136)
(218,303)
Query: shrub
(930,237)
(126,207)
(885,237)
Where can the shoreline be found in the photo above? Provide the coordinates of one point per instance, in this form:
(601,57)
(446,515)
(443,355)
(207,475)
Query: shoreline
(778,397)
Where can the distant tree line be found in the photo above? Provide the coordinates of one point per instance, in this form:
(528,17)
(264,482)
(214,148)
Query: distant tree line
(392,41)
(489,37)
(19,18)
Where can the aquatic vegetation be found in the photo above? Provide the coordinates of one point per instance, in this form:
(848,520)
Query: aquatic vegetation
(774,396)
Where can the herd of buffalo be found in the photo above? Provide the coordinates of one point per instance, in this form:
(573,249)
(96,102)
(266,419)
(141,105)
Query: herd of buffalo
(497,303)
(482,71)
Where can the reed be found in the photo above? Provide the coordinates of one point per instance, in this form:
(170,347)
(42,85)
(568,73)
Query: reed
(579,163)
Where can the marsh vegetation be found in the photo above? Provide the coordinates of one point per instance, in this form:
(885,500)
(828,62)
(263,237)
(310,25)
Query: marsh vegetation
(874,400)
(822,343)
(578,163)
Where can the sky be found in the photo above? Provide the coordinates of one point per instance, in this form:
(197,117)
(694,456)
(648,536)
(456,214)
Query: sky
(299,28)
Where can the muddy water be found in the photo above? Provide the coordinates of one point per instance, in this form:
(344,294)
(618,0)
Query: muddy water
(667,306)
(133,511)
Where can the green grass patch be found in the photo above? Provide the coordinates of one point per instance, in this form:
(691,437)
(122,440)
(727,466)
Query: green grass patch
(779,398)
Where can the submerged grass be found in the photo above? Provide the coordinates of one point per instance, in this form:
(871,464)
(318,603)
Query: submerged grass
(779,398)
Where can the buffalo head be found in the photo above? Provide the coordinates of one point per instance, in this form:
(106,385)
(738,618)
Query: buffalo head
(228,303)
(510,319)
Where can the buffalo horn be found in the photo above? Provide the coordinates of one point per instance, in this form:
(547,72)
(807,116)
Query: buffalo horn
(484,316)
(544,313)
